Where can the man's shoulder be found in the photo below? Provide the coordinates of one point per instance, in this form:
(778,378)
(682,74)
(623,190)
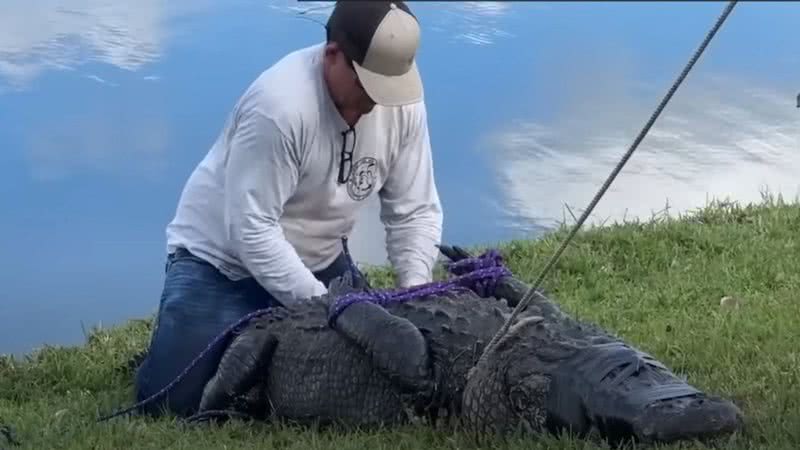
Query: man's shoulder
(408,119)
(286,93)
(414,112)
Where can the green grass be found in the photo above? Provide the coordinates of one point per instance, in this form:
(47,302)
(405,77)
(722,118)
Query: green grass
(658,284)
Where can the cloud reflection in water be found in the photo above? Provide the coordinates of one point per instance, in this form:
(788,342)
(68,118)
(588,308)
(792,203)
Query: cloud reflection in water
(719,137)
(64,34)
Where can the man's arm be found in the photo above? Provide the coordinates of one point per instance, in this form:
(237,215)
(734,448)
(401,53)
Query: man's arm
(261,174)
(410,206)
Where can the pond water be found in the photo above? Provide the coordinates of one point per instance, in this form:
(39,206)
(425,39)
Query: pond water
(106,107)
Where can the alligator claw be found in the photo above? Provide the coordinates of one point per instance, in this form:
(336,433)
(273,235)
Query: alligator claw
(454,253)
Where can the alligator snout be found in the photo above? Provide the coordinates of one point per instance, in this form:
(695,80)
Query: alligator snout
(701,418)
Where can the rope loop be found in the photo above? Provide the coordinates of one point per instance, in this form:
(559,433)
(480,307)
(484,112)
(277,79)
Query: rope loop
(479,274)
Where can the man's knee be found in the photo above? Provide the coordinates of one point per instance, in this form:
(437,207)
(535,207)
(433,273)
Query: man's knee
(170,364)
(197,305)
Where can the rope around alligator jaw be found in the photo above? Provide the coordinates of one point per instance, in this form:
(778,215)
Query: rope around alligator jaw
(479,273)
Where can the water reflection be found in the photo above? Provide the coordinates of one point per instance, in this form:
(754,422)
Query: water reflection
(720,136)
(100,141)
(478,22)
(469,22)
(64,34)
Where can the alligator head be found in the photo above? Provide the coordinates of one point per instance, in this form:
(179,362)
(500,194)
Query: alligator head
(543,377)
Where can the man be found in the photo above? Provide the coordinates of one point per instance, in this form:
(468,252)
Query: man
(260,220)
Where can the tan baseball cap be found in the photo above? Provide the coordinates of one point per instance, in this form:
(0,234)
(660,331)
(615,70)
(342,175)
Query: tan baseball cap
(381,39)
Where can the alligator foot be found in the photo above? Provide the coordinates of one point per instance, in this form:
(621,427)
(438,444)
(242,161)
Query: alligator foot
(395,345)
(241,366)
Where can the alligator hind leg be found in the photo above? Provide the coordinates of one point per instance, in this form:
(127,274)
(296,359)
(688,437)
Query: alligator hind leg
(395,345)
(242,365)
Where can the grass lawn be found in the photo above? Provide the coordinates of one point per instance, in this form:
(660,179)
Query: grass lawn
(657,284)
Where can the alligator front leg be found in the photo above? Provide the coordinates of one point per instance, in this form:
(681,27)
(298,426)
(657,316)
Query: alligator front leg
(241,366)
(397,348)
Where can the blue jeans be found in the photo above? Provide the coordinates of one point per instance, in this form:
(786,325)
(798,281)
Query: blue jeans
(197,304)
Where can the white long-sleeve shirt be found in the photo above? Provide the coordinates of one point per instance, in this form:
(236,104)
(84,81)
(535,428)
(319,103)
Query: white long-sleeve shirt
(265,201)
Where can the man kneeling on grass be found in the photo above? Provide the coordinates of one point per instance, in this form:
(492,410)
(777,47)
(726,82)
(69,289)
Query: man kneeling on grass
(260,220)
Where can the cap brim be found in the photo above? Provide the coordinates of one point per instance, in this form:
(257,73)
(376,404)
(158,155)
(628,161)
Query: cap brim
(391,90)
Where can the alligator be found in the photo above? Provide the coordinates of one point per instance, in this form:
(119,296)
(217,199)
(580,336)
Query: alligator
(392,362)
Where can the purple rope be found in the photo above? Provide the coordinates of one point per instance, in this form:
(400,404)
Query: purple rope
(479,274)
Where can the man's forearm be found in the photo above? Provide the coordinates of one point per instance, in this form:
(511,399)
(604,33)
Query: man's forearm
(412,247)
(274,263)
(410,207)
